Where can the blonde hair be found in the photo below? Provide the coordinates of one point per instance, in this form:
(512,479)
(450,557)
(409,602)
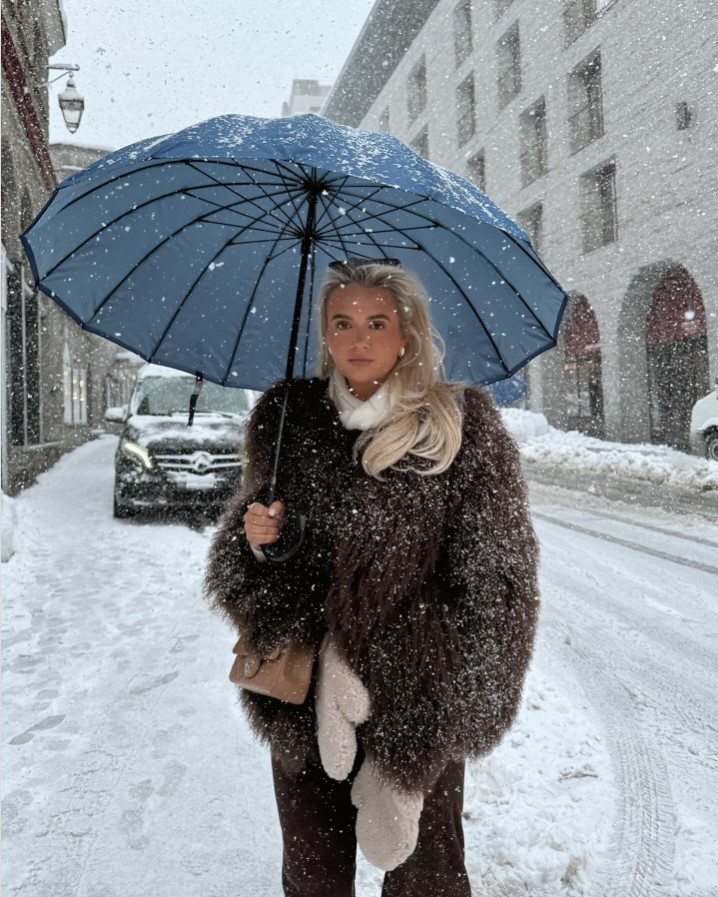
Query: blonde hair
(427,409)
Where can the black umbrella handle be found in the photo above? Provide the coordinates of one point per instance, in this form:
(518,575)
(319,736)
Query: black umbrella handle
(293,529)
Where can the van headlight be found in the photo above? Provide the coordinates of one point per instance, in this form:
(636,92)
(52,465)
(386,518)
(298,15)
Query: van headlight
(138,453)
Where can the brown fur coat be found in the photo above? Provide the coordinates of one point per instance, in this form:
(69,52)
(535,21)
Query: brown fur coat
(428,583)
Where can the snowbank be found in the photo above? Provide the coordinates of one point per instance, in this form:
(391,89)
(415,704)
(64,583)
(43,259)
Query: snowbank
(543,444)
(9,525)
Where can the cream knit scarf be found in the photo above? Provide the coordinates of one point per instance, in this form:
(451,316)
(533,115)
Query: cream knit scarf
(355,413)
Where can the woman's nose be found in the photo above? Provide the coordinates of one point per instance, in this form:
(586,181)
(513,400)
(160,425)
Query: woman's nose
(361,338)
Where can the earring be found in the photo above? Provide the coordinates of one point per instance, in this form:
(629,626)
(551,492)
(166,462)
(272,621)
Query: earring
(401,352)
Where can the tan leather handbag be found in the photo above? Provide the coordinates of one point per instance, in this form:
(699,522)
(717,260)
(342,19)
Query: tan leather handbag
(284,674)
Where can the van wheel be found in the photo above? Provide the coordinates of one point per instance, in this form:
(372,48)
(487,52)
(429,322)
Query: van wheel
(712,445)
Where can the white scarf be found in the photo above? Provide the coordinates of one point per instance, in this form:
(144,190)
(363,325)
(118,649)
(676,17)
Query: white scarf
(355,413)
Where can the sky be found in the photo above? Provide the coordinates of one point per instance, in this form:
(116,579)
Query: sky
(152,68)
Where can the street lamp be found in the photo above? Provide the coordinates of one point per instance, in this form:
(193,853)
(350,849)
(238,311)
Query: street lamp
(72,103)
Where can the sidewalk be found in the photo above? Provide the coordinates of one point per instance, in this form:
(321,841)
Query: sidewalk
(640,473)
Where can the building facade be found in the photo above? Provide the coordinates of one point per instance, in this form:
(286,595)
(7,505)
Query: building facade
(593,123)
(56,378)
(307,95)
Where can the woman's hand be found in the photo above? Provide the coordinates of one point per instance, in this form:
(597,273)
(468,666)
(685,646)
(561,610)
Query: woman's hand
(262,524)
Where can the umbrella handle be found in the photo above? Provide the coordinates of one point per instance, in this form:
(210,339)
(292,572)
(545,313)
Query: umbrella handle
(298,524)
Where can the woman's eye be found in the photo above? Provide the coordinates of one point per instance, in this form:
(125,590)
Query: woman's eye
(340,323)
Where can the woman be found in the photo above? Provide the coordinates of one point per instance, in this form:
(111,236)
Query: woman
(417,579)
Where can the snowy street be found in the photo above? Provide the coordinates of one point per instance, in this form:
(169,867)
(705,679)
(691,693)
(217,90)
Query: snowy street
(118,713)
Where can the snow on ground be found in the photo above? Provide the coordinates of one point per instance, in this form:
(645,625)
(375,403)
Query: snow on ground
(129,769)
(543,444)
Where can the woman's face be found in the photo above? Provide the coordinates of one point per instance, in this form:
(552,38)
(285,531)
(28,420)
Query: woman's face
(363,324)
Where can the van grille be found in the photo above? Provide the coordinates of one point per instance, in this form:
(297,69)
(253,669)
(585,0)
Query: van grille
(198,462)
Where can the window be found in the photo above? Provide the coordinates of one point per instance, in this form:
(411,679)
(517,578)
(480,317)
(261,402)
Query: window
(420,144)
(465,106)
(500,6)
(416,94)
(598,203)
(684,116)
(476,170)
(508,53)
(74,391)
(384,121)
(579,15)
(531,221)
(585,102)
(534,144)
(462,31)
(24,338)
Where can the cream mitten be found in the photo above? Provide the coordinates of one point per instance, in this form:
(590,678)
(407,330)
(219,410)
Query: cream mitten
(387,825)
(342,703)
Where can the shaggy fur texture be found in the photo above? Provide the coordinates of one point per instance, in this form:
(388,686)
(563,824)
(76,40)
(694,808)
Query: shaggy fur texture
(427,584)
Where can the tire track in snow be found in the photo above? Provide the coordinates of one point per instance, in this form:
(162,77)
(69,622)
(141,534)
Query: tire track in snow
(643,843)
(654,552)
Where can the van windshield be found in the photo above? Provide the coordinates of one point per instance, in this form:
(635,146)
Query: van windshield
(170,395)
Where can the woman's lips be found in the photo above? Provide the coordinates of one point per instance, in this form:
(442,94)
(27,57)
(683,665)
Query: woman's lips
(360,361)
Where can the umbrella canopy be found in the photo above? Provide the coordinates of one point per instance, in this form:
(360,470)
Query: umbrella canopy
(201,250)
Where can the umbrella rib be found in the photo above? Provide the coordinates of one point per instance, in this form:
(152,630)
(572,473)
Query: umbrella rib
(251,201)
(119,176)
(252,220)
(129,212)
(391,230)
(185,299)
(288,219)
(158,163)
(267,260)
(141,262)
(380,248)
(327,242)
(300,188)
(373,216)
(279,163)
(326,208)
(252,242)
(536,260)
(351,208)
(346,253)
(462,293)
(500,273)
(228,208)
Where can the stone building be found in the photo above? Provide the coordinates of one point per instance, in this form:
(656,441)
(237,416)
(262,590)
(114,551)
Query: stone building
(307,95)
(594,124)
(54,375)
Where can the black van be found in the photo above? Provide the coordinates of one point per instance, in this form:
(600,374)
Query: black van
(160,462)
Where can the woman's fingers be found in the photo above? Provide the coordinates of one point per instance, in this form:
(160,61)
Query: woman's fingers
(262,524)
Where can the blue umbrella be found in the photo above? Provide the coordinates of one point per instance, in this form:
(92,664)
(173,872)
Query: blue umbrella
(188,249)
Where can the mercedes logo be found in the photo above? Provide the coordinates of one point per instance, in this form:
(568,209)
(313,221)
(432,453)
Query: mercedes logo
(201,461)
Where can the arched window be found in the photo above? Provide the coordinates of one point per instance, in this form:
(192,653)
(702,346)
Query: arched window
(677,350)
(583,387)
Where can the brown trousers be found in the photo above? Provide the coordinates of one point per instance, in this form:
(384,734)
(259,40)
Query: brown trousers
(318,819)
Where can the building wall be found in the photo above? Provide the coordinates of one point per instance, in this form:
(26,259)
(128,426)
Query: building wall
(31,32)
(307,95)
(653,56)
(35,431)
